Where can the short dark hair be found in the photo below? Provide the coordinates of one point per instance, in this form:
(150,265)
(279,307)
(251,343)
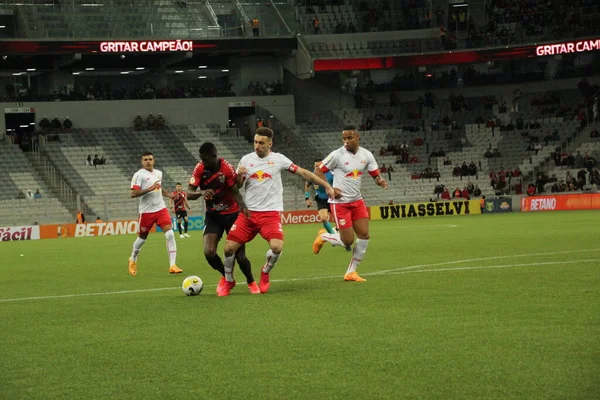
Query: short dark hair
(208,148)
(349,128)
(146,153)
(265,132)
(178,184)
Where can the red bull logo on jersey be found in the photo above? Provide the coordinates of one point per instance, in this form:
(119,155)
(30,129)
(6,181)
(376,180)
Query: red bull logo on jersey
(354,174)
(261,176)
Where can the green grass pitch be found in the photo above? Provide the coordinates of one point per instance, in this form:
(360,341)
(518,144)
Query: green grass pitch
(482,307)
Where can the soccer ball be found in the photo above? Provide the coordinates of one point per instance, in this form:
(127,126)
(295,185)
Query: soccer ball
(192,286)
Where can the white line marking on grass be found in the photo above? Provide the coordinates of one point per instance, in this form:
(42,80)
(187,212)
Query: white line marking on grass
(315,278)
(536,264)
(483,259)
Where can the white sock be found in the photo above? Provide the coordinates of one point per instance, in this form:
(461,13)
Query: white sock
(228,263)
(360,248)
(334,239)
(271,259)
(171,247)
(137,246)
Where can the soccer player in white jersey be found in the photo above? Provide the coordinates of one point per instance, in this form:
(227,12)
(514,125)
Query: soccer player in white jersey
(260,174)
(349,211)
(146,184)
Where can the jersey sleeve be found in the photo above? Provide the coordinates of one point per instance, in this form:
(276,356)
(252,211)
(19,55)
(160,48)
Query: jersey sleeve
(287,164)
(330,162)
(197,175)
(230,174)
(136,182)
(372,166)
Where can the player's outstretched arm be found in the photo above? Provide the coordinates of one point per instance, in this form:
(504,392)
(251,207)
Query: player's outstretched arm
(192,194)
(187,205)
(379,181)
(166,194)
(309,176)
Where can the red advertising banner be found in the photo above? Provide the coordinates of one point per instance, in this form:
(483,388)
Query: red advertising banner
(588,201)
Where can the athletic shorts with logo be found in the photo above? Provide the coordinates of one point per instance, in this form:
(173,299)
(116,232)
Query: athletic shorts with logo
(346,213)
(181,214)
(160,218)
(216,223)
(265,223)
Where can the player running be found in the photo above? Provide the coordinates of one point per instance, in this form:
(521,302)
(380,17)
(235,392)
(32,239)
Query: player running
(349,211)
(260,174)
(323,209)
(146,184)
(179,204)
(217,181)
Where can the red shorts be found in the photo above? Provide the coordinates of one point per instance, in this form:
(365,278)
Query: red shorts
(160,218)
(267,223)
(346,213)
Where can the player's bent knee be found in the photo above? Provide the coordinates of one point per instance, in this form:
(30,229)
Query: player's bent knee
(209,254)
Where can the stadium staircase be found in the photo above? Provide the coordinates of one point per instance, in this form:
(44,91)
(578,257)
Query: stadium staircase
(17,174)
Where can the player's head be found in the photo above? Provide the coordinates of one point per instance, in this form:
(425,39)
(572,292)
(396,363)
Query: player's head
(208,155)
(263,140)
(350,137)
(178,187)
(317,162)
(148,161)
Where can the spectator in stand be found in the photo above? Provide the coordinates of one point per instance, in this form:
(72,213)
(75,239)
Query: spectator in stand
(316,24)
(88,160)
(389,172)
(56,124)
(457,194)
(151,122)
(67,123)
(96,161)
(45,124)
(465,194)
(445,194)
(594,133)
(255,26)
(29,195)
(37,195)
(160,122)
(21,195)
(464,170)
(383,169)
(476,191)
(138,123)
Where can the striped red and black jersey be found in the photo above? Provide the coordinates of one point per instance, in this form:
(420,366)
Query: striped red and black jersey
(220,182)
(179,200)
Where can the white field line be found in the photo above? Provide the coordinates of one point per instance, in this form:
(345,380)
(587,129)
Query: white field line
(398,271)
(483,259)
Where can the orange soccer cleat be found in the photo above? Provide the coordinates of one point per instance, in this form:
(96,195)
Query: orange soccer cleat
(225,289)
(132,267)
(264,282)
(221,283)
(175,270)
(353,276)
(253,288)
(319,242)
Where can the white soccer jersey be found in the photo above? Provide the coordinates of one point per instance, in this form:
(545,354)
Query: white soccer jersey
(347,171)
(152,201)
(264,190)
